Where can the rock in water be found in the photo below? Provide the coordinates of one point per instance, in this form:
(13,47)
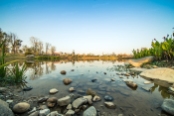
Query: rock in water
(108,98)
(54,90)
(131,84)
(67,81)
(110,105)
(27,89)
(91,111)
(63,72)
(21,107)
(168,106)
(140,61)
(4,109)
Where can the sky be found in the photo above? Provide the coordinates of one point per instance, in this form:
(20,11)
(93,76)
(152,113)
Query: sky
(89,26)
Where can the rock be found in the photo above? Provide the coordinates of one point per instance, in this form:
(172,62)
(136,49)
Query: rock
(64,101)
(90,92)
(27,88)
(21,107)
(112,79)
(51,102)
(164,74)
(110,105)
(44,112)
(54,113)
(3,89)
(171,89)
(93,80)
(36,113)
(43,99)
(96,98)
(42,107)
(9,101)
(71,89)
(120,114)
(91,111)
(147,82)
(89,98)
(168,106)
(140,61)
(108,98)
(69,107)
(54,90)
(33,110)
(63,72)
(70,113)
(131,84)
(146,89)
(4,109)
(72,69)
(67,81)
(79,101)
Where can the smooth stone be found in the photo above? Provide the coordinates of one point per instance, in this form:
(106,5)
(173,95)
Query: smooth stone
(91,111)
(110,105)
(9,101)
(54,113)
(43,99)
(63,72)
(146,88)
(64,101)
(44,112)
(4,109)
(36,113)
(21,107)
(3,89)
(67,81)
(131,84)
(140,61)
(168,106)
(171,89)
(108,98)
(33,110)
(27,89)
(105,73)
(71,89)
(96,98)
(70,113)
(54,90)
(90,92)
(51,102)
(89,98)
(164,74)
(79,101)
(69,107)
(42,107)
(112,79)
(147,82)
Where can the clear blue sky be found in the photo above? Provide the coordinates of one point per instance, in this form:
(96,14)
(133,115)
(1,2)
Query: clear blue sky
(89,26)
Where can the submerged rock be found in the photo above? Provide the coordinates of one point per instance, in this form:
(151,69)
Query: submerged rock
(63,72)
(67,81)
(108,98)
(168,106)
(27,89)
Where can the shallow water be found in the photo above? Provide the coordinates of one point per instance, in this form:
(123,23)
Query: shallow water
(43,76)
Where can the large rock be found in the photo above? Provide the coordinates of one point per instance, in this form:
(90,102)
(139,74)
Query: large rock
(4,109)
(67,81)
(64,101)
(91,111)
(21,107)
(168,106)
(79,101)
(164,74)
(140,61)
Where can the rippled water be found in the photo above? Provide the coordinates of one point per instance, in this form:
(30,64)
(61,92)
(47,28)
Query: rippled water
(43,76)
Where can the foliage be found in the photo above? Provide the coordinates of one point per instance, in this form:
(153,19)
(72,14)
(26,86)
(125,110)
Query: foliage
(161,50)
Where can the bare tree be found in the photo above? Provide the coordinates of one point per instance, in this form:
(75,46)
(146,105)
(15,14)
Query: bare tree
(53,49)
(34,42)
(47,45)
(40,47)
(15,42)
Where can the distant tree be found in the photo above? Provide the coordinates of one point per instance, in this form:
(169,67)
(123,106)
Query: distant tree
(53,49)
(34,43)
(15,42)
(47,45)
(40,47)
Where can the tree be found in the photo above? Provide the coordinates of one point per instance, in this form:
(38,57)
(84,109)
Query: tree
(15,42)
(47,45)
(53,49)
(34,42)
(40,47)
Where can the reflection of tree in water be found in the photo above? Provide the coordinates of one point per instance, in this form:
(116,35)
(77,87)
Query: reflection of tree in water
(36,69)
(53,66)
(162,90)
